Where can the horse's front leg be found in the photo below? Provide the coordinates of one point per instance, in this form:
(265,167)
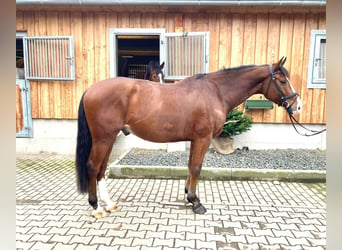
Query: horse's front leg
(198,150)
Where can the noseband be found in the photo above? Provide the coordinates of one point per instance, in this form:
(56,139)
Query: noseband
(288,106)
(283,98)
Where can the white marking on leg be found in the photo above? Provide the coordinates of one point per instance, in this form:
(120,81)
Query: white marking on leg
(103,192)
(99,212)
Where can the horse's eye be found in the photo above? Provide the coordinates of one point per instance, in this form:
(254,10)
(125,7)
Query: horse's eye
(283,82)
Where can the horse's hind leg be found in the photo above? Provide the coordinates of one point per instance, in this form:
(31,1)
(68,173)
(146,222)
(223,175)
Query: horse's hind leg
(95,161)
(103,192)
(198,150)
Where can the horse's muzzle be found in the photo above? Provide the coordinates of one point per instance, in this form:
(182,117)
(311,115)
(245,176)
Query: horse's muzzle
(295,107)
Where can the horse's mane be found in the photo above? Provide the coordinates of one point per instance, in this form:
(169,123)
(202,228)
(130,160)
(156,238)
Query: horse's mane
(239,67)
(242,67)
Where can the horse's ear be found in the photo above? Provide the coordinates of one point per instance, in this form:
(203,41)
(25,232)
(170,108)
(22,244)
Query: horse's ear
(162,65)
(282,61)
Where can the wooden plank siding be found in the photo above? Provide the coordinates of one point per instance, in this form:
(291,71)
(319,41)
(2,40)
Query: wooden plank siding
(236,38)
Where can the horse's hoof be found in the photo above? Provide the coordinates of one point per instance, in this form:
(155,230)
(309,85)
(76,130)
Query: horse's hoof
(199,209)
(112,208)
(98,213)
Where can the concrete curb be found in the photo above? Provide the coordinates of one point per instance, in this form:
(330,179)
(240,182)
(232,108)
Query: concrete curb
(130,171)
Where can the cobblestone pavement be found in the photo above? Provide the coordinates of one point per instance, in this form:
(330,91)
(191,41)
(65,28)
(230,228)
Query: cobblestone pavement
(152,214)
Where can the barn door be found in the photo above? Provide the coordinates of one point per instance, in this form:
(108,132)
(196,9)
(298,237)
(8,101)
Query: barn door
(185,54)
(23,109)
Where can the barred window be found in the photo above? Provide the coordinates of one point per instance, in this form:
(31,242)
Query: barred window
(185,54)
(317,60)
(49,58)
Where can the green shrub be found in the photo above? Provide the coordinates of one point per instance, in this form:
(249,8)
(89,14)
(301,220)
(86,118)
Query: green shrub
(236,123)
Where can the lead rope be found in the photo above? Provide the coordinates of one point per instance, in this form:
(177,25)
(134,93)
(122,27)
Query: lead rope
(314,132)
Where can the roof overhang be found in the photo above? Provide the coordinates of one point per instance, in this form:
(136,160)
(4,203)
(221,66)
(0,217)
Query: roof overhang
(311,3)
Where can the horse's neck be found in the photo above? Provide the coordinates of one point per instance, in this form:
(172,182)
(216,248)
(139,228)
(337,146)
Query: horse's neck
(238,85)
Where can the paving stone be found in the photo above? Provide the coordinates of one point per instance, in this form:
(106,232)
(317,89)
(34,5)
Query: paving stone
(185,243)
(277,240)
(57,230)
(247,231)
(23,245)
(80,239)
(136,234)
(174,235)
(215,237)
(163,242)
(194,236)
(62,246)
(269,247)
(256,239)
(285,233)
(236,238)
(38,230)
(43,246)
(141,242)
(298,241)
(263,232)
(102,247)
(100,240)
(61,238)
(317,242)
(206,245)
(23,237)
(122,241)
(154,214)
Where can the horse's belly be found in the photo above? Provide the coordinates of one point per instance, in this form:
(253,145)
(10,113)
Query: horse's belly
(158,132)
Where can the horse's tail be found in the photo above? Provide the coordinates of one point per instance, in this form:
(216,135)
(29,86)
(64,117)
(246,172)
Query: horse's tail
(83,147)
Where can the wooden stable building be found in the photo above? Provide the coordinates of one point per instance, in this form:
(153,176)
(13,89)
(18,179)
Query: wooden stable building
(62,49)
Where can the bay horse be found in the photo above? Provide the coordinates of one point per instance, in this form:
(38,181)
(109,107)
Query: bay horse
(154,72)
(192,110)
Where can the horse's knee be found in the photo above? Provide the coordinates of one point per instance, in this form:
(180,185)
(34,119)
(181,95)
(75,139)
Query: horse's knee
(195,172)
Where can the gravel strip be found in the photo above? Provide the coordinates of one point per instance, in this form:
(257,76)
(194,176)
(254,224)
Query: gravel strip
(291,159)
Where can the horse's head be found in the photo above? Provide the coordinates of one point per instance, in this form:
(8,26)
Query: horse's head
(154,72)
(278,88)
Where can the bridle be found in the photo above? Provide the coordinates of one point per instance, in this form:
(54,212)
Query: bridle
(284,103)
(288,106)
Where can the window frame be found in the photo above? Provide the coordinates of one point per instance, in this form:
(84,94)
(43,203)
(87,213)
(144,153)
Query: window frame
(164,53)
(27,131)
(315,41)
(69,60)
(114,32)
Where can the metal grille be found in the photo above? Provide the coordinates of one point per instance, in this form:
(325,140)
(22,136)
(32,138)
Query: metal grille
(49,58)
(137,71)
(186,54)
